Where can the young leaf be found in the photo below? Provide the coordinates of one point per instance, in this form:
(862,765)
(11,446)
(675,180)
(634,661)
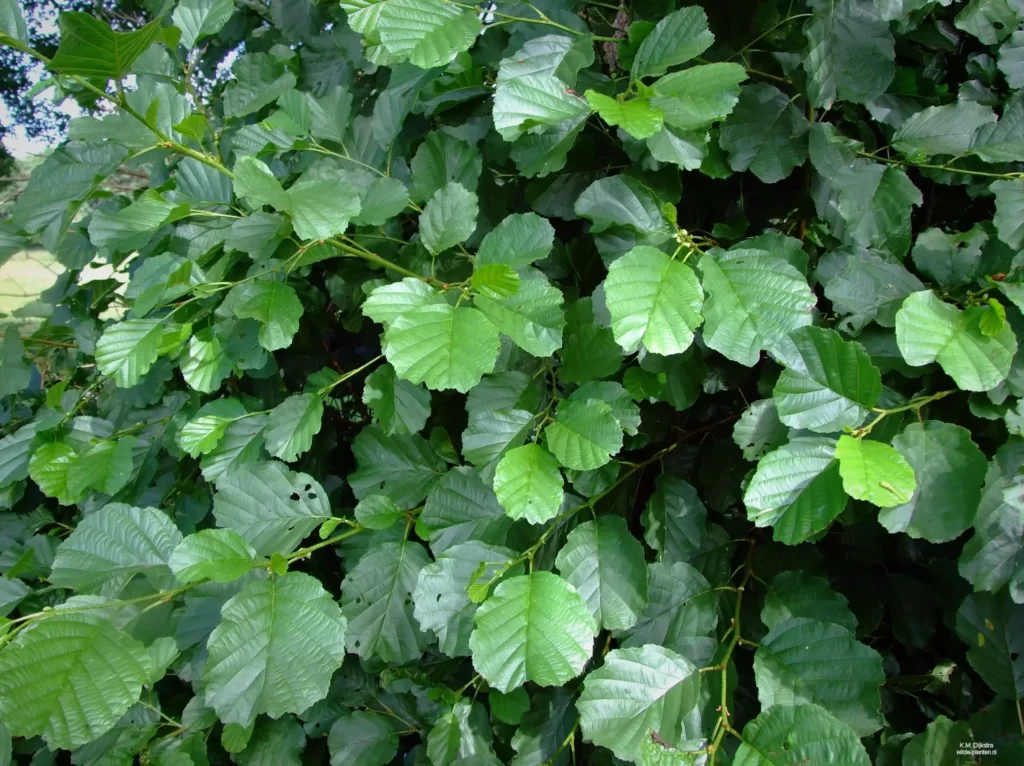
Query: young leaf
(528,484)
(212,554)
(874,472)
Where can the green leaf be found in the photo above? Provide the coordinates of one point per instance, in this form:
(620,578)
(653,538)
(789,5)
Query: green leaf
(362,739)
(989,20)
(278,309)
(242,443)
(90,48)
(949,469)
(994,556)
(495,280)
(759,430)
(991,628)
(765,134)
(50,467)
(293,424)
(106,467)
(221,555)
(535,628)
(128,349)
(797,489)
(674,520)
(693,98)
(1004,140)
(12,23)
(113,545)
(59,695)
(829,383)
(14,373)
(869,288)
(786,734)
(253,667)
(677,38)
(442,347)
(205,365)
(556,55)
(528,484)
(945,129)
(805,661)
(429,33)
(388,302)
(509,708)
(850,54)
(1009,207)
(605,564)
(623,201)
(318,210)
(531,317)
(442,159)
(402,467)
(270,506)
(874,472)
(260,79)
(201,18)
(798,594)
(400,407)
(441,600)
(584,434)
(275,742)
(461,508)
(462,735)
(376,597)
(929,330)
(687,150)
(680,614)
(636,691)
(938,744)
(552,718)
(132,227)
(449,218)
(755,300)
(255,182)
(654,301)
(530,103)
(377,512)
(636,116)
(202,433)
(517,241)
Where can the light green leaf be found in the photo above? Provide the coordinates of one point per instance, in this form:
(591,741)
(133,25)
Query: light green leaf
(784,735)
(362,739)
(205,365)
(677,38)
(1009,211)
(495,280)
(850,53)
(687,150)
(114,544)
(441,601)
(377,512)
(105,467)
(255,183)
(400,407)
(693,98)
(131,228)
(681,612)
(805,661)
(402,467)
(674,520)
(429,33)
(991,626)
(270,506)
(442,346)
(292,425)
(202,433)
(388,302)
(320,209)
(528,484)
(929,330)
(989,20)
(949,469)
(654,301)
(448,218)
(765,134)
(532,316)
(127,349)
(376,597)
(755,299)
(517,241)
(50,467)
(530,103)
(556,55)
(12,24)
(221,555)
(201,18)
(276,306)
(829,383)
(381,201)
(948,129)
(797,489)
(461,508)
(242,443)
(636,116)
(623,201)
(605,564)
(59,695)
(584,434)
(874,472)
(257,234)
(90,48)
(540,155)
(533,627)
(759,430)
(798,594)
(253,667)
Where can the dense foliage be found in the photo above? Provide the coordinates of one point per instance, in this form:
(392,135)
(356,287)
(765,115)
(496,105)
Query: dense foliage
(535,383)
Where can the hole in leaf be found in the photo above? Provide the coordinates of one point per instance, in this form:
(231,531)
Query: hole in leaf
(311,495)
(295,496)
(438,596)
(307,488)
